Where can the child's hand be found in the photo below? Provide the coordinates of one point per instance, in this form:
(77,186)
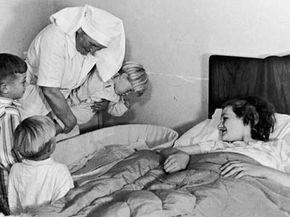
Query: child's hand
(99,106)
(176,162)
(238,169)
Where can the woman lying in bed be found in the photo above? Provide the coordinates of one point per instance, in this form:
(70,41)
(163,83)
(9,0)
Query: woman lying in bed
(245,126)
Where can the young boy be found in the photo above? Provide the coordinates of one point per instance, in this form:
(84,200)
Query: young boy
(38,179)
(131,78)
(12,86)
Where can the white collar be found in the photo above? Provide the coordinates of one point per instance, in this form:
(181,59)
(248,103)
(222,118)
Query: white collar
(8,101)
(36,163)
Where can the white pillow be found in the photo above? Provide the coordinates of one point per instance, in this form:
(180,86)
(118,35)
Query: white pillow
(203,131)
(207,130)
(282,127)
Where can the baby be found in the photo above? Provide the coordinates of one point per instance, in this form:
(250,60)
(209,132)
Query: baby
(38,179)
(132,78)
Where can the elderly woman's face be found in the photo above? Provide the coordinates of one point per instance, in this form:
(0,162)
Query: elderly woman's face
(85,44)
(231,127)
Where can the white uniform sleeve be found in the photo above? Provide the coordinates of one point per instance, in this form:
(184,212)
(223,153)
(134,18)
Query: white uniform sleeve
(51,58)
(63,184)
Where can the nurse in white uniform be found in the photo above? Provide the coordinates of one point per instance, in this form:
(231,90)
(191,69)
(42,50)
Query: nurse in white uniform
(79,43)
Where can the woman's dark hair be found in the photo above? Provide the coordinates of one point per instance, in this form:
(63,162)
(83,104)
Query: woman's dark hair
(257,112)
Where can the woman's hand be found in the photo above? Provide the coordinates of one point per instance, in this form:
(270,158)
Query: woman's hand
(177,161)
(238,169)
(99,106)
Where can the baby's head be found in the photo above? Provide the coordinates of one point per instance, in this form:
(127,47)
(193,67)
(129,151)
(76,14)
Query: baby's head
(131,78)
(12,76)
(35,138)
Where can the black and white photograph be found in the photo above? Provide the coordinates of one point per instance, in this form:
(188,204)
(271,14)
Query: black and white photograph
(192,117)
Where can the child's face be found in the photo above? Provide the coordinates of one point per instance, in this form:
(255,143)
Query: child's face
(231,127)
(122,85)
(15,88)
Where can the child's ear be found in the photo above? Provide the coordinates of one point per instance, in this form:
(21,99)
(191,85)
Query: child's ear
(3,88)
(52,145)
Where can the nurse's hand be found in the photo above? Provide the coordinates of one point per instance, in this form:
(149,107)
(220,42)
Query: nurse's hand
(99,106)
(176,162)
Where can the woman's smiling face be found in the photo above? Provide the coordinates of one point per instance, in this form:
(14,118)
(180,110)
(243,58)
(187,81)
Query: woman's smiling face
(231,127)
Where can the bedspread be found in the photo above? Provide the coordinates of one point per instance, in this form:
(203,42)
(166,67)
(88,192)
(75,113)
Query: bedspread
(137,186)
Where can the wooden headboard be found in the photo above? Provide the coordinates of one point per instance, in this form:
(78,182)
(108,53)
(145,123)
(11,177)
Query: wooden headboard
(231,76)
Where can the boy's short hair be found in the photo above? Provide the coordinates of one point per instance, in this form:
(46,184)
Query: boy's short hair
(10,65)
(33,136)
(137,76)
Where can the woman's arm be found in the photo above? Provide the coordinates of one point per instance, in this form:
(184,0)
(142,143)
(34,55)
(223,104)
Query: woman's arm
(191,149)
(60,107)
(277,176)
(238,169)
(177,161)
(178,158)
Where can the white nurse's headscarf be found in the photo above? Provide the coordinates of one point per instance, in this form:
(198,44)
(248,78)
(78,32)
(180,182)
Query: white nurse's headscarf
(101,26)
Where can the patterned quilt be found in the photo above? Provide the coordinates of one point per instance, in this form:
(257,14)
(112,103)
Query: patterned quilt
(138,187)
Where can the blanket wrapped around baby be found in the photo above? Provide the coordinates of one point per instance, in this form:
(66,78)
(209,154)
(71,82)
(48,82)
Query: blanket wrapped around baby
(138,186)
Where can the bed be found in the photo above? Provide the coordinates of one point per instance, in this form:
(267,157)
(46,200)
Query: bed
(134,183)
